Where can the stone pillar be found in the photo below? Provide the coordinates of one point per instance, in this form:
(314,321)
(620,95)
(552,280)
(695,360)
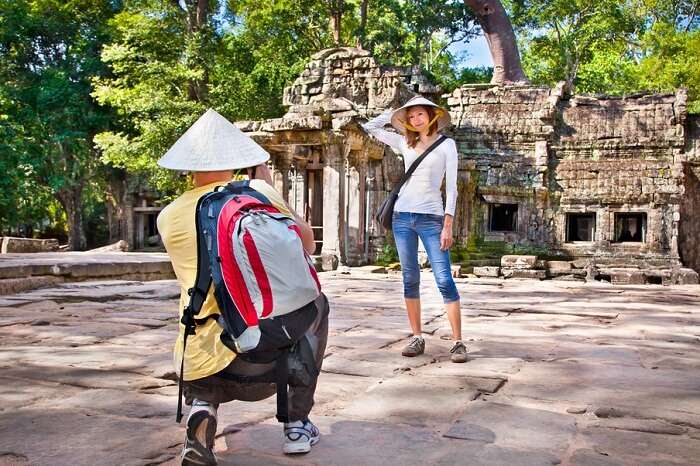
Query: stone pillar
(355,208)
(129,214)
(278,177)
(332,206)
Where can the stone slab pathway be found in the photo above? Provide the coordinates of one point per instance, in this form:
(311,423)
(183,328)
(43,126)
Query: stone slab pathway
(560,373)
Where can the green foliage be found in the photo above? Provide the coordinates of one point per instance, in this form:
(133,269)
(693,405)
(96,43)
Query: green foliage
(458,253)
(672,62)
(561,40)
(416,32)
(154,71)
(48,51)
(388,254)
(611,47)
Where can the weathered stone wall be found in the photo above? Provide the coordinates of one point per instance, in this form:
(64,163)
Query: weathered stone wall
(692,147)
(689,228)
(501,135)
(554,155)
(618,155)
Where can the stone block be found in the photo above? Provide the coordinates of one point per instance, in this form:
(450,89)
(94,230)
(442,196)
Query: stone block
(568,278)
(558,266)
(329,261)
(687,277)
(17,285)
(16,271)
(518,262)
(283,124)
(401,400)
(336,105)
(487,271)
(580,263)
(11,244)
(524,273)
(625,276)
(248,126)
(119,246)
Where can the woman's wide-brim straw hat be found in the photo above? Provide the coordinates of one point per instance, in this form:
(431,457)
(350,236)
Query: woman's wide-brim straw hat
(213,143)
(400,122)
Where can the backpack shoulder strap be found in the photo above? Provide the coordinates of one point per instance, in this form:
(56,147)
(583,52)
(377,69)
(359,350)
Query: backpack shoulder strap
(244,187)
(200,289)
(198,294)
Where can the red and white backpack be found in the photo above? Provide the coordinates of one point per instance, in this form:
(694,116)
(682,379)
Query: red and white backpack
(264,282)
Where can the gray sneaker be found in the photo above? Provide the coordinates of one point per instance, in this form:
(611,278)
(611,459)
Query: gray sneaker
(299,437)
(459,352)
(415,347)
(194,453)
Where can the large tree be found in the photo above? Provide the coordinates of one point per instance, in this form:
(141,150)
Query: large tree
(48,51)
(499,34)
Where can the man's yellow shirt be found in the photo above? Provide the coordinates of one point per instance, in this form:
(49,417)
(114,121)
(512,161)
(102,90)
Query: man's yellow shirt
(206,355)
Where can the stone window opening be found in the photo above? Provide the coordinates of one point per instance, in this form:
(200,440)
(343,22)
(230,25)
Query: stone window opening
(630,227)
(580,227)
(503,217)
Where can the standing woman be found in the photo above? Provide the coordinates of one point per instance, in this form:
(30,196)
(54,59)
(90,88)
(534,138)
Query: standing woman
(419,212)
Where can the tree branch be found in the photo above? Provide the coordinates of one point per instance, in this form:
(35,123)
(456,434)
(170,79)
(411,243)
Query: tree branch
(691,18)
(176,4)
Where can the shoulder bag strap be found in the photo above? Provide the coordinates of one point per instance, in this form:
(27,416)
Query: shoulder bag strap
(417,162)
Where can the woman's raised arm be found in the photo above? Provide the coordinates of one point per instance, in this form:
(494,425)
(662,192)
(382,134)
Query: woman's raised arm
(375,127)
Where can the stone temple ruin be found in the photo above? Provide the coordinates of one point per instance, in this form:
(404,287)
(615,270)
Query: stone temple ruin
(602,187)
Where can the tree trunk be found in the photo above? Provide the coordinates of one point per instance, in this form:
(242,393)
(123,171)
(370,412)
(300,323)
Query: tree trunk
(360,41)
(197,21)
(116,203)
(499,34)
(336,17)
(71,198)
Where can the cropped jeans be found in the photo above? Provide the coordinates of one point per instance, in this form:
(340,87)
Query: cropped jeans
(407,228)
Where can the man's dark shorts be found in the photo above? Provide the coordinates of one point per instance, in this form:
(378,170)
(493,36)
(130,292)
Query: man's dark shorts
(219,389)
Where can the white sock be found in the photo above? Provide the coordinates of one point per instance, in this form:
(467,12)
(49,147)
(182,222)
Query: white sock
(199,405)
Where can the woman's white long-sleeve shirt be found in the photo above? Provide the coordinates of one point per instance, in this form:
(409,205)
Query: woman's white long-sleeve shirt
(421,193)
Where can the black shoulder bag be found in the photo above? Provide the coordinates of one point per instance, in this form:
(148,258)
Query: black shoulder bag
(385,212)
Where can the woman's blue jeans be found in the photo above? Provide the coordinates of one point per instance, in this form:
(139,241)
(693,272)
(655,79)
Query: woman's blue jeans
(407,228)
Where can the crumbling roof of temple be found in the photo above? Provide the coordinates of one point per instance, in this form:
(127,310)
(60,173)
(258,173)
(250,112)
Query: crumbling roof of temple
(340,84)
(531,113)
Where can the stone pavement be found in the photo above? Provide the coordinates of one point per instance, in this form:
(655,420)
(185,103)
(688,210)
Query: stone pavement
(560,373)
(21,271)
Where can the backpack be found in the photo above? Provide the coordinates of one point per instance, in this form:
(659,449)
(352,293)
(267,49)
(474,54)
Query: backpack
(264,281)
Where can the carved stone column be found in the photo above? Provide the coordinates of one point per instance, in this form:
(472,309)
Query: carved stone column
(332,205)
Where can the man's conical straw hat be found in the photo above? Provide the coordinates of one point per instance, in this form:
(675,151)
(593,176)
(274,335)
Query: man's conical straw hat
(213,143)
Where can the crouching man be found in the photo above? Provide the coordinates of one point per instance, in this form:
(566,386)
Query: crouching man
(212,149)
